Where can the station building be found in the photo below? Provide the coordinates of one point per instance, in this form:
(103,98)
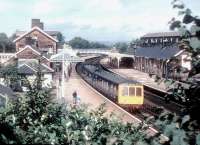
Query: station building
(39,49)
(161,54)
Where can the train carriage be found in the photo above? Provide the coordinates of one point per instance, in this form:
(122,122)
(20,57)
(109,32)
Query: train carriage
(130,94)
(113,86)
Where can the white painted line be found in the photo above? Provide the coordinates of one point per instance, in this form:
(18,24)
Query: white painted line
(154,130)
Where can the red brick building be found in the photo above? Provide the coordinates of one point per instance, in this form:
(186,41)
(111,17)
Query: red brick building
(36,38)
(37,43)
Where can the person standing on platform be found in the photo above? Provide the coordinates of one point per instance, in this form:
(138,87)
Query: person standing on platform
(74,97)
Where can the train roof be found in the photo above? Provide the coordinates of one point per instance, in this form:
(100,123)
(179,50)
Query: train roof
(107,75)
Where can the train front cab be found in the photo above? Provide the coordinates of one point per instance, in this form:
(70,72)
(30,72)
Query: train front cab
(130,94)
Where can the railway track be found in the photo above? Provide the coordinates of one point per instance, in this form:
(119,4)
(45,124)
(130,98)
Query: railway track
(142,112)
(154,103)
(154,98)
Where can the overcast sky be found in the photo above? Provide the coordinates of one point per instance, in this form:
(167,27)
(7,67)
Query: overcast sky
(97,20)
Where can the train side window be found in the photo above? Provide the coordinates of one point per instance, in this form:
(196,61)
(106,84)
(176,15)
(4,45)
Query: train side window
(131,91)
(138,91)
(125,91)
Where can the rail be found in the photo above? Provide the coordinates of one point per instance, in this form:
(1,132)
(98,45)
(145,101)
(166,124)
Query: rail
(137,112)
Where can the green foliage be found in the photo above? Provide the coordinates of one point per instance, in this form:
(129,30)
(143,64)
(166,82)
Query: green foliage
(35,119)
(190,33)
(10,75)
(81,43)
(51,123)
(198,139)
(180,130)
(184,128)
(97,45)
(60,37)
(6,45)
(189,28)
(121,46)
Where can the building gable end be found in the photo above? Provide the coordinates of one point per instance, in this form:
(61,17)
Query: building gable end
(35,29)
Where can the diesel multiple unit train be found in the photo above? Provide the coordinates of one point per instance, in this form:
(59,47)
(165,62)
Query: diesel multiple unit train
(116,88)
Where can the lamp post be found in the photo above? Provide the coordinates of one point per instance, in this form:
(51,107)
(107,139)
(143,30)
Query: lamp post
(63,77)
(132,45)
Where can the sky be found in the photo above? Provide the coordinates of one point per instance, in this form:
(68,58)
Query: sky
(95,20)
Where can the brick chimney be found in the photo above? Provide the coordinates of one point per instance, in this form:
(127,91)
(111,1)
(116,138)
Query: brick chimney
(36,22)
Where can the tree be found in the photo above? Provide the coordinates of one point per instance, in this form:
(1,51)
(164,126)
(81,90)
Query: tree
(191,43)
(3,41)
(184,128)
(6,44)
(34,119)
(10,75)
(60,37)
(121,46)
(97,45)
(190,37)
(79,43)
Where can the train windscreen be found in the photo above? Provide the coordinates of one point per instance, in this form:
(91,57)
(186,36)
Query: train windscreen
(138,92)
(131,91)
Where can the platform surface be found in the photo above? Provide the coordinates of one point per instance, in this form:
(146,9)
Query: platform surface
(141,77)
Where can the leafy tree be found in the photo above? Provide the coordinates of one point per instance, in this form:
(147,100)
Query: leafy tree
(191,42)
(60,37)
(6,44)
(79,43)
(97,45)
(35,119)
(121,46)
(184,128)
(10,75)
(191,37)
(13,37)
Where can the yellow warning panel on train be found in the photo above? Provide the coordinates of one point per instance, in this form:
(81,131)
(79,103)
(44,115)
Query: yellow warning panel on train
(130,94)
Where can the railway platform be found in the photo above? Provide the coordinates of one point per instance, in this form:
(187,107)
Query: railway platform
(141,77)
(91,97)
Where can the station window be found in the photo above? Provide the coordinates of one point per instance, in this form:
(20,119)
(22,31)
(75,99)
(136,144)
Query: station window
(125,91)
(131,91)
(138,92)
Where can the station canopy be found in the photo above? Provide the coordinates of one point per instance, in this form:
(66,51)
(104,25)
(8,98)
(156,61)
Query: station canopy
(120,55)
(66,54)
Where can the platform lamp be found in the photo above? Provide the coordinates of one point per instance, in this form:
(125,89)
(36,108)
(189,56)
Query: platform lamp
(132,45)
(63,77)
(39,72)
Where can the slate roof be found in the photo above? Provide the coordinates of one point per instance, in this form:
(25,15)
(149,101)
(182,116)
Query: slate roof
(38,29)
(31,68)
(161,34)
(107,75)
(52,33)
(24,69)
(43,67)
(158,52)
(69,55)
(33,48)
(4,90)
